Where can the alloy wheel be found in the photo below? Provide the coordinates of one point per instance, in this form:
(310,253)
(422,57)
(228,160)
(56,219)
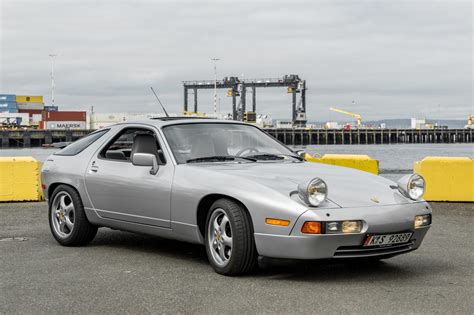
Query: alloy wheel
(62,214)
(220,237)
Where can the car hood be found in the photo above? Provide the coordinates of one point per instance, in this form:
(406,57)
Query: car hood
(346,187)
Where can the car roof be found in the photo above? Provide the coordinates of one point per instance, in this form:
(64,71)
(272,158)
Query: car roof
(166,121)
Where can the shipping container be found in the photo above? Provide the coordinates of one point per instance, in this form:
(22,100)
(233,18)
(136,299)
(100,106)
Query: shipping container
(70,125)
(51,108)
(31,112)
(109,117)
(36,118)
(7,98)
(120,117)
(29,98)
(65,116)
(23,118)
(8,107)
(8,104)
(30,105)
(100,125)
(8,110)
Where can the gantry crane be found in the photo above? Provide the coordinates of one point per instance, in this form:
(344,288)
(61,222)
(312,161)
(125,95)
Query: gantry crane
(348,113)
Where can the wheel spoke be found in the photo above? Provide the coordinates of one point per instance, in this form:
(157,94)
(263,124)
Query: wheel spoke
(226,240)
(56,214)
(62,224)
(215,225)
(223,224)
(69,224)
(69,208)
(222,253)
(62,203)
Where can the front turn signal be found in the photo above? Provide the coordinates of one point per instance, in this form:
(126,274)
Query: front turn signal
(279,222)
(311,227)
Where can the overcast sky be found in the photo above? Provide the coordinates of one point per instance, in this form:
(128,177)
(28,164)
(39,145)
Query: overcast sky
(394,59)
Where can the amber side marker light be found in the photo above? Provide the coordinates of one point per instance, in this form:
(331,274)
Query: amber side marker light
(311,227)
(279,222)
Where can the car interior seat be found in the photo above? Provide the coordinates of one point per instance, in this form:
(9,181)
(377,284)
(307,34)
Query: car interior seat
(220,144)
(146,143)
(202,146)
(115,155)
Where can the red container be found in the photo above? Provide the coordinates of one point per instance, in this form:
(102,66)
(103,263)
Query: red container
(31,112)
(64,116)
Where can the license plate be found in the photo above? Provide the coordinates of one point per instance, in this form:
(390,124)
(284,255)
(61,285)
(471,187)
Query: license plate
(387,239)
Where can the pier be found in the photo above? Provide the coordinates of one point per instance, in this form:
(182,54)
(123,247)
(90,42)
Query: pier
(298,136)
(370,136)
(27,138)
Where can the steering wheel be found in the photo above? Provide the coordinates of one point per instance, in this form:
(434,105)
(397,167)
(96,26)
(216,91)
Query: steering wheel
(251,150)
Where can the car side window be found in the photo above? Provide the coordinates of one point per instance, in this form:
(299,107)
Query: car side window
(121,146)
(81,144)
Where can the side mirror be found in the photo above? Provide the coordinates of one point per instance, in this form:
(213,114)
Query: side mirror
(146,159)
(301,153)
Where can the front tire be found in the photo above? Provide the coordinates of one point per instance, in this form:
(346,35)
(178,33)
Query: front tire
(67,218)
(229,240)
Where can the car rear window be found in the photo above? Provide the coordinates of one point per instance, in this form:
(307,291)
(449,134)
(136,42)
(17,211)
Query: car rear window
(81,144)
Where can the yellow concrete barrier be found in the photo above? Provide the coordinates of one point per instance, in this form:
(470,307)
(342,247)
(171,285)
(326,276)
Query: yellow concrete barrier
(20,179)
(360,162)
(447,178)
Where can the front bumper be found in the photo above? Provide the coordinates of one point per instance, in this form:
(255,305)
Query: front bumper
(378,220)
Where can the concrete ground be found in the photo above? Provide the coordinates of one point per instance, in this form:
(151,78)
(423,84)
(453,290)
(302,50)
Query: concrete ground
(126,273)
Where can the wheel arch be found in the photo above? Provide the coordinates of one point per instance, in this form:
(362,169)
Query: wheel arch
(205,204)
(52,187)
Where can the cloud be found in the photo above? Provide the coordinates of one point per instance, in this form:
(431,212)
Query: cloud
(395,59)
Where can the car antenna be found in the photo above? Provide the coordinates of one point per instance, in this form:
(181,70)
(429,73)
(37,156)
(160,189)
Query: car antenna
(164,109)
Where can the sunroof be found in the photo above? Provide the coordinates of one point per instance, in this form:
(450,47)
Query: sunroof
(180,118)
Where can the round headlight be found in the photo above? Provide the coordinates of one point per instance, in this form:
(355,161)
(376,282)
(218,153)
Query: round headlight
(313,192)
(416,186)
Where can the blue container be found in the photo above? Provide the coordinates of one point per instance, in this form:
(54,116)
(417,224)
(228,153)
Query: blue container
(8,106)
(7,98)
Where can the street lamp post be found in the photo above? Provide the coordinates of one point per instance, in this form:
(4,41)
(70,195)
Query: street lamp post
(52,78)
(215,84)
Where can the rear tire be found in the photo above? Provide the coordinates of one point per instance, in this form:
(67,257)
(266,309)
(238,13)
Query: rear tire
(229,239)
(67,218)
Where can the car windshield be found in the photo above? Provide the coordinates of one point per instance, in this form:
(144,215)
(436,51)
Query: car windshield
(218,142)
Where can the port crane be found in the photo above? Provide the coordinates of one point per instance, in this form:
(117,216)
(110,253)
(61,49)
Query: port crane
(239,87)
(349,114)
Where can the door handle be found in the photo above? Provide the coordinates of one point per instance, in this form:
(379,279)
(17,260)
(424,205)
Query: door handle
(94,168)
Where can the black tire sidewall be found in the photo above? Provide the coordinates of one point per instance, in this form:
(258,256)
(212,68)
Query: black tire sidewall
(79,216)
(233,266)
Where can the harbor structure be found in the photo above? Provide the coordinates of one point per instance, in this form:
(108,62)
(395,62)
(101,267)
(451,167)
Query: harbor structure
(237,88)
(24,138)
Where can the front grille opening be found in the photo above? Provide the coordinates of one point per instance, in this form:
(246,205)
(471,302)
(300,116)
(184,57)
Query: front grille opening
(359,251)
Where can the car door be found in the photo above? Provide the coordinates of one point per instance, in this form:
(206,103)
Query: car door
(122,191)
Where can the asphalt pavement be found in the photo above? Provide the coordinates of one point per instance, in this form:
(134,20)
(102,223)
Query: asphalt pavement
(120,272)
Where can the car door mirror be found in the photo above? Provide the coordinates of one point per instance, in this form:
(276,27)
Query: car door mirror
(146,159)
(301,153)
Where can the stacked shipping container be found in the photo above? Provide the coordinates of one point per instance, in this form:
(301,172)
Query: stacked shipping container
(8,103)
(26,102)
(63,120)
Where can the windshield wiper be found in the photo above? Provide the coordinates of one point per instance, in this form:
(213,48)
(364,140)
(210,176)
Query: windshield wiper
(219,158)
(269,156)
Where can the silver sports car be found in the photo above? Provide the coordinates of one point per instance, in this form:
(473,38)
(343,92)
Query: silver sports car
(232,187)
